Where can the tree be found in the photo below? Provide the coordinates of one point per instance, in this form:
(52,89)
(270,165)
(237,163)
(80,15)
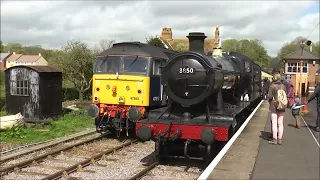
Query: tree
(76,61)
(14,47)
(316,48)
(155,41)
(181,47)
(1,46)
(103,45)
(254,49)
(229,45)
(292,46)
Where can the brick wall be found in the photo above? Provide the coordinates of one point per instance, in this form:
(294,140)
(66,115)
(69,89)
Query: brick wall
(166,33)
(312,68)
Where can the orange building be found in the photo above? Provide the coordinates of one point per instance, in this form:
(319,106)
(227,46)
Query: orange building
(292,70)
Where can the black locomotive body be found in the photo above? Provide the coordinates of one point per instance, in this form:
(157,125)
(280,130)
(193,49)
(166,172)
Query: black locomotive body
(208,99)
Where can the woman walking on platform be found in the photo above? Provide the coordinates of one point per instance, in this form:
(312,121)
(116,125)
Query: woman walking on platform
(277,104)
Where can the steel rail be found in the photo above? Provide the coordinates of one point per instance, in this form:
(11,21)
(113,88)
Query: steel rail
(42,145)
(144,171)
(43,156)
(86,162)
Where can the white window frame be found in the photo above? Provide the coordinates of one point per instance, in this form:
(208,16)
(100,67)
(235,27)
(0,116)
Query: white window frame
(297,66)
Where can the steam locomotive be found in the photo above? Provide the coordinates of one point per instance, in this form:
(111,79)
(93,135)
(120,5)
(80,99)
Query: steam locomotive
(209,97)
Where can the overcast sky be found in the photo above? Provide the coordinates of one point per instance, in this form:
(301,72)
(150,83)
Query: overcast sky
(53,23)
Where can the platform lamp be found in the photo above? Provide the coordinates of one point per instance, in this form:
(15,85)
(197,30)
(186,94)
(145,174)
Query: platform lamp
(302,45)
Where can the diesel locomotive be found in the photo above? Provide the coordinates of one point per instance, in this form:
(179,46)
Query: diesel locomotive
(209,98)
(126,85)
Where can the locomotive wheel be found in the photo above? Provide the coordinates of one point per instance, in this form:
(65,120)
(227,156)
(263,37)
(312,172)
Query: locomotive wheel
(208,154)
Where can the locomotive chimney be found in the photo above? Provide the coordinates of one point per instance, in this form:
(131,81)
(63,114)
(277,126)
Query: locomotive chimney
(196,41)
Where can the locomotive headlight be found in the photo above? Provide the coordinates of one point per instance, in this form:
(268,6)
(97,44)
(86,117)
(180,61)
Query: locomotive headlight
(121,99)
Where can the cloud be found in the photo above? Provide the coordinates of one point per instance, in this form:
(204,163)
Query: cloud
(52,23)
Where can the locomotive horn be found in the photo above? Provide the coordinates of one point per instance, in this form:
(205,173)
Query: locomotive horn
(196,41)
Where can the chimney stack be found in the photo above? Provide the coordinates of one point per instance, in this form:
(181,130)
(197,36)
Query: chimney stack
(196,41)
(166,33)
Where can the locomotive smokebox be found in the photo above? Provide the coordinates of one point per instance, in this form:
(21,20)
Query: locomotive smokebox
(196,41)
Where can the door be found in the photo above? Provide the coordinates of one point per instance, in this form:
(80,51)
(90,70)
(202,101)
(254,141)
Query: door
(156,88)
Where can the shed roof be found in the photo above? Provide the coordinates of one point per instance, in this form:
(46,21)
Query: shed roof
(39,69)
(28,58)
(297,55)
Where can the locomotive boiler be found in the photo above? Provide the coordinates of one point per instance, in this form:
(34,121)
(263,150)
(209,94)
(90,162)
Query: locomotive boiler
(209,97)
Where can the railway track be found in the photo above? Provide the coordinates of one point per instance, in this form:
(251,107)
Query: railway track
(21,151)
(109,158)
(55,164)
(178,170)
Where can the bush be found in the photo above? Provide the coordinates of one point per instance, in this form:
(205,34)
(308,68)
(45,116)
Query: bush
(2,104)
(72,94)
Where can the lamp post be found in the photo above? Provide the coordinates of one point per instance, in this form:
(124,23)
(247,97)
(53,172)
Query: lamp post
(308,43)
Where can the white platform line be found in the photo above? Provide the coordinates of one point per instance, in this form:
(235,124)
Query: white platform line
(315,139)
(217,159)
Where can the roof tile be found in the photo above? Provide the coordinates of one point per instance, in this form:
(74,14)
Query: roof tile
(14,57)
(297,55)
(28,58)
(208,43)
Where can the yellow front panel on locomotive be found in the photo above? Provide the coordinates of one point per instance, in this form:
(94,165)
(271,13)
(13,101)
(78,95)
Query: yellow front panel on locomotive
(130,90)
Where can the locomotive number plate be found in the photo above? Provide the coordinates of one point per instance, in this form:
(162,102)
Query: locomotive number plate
(186,70)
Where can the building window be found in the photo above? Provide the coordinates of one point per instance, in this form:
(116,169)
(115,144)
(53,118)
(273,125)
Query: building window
(295,67)
(288,77)
(20,88)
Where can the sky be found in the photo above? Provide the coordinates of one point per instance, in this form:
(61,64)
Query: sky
(52,23)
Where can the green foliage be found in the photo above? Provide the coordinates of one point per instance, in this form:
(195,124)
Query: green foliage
(73,122)
(3,112)
(155,41)
(72,94)
(254,49)
(181,47)
(15,132)
(1,46)
(76,61)
(294,45)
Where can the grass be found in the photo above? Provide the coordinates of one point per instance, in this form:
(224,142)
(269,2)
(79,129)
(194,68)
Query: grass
(71,123)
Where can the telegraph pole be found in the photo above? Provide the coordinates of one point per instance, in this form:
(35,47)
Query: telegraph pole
(301,66)
(305,110)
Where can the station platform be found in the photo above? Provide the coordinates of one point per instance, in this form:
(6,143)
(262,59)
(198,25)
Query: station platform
(252,157)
